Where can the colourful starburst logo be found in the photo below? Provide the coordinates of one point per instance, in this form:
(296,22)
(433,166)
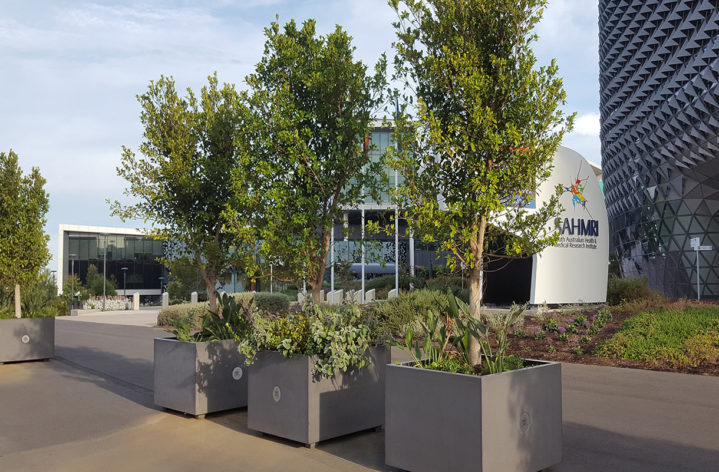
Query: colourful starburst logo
(577,191)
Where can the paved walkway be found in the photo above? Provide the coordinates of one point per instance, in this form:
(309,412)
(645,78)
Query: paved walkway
(91,409)
(144,317)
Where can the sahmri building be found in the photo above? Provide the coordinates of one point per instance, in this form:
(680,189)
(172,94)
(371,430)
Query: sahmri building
(660,139)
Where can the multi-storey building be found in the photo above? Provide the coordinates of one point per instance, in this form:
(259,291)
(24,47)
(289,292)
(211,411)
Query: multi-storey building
(659,133)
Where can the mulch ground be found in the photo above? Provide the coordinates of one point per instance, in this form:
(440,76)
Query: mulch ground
(525,345)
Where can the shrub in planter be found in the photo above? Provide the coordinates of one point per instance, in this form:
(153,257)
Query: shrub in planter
(398,313)
(444,414)
(203,372)
(316,374)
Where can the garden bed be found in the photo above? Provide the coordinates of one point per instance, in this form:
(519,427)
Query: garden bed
(679,339)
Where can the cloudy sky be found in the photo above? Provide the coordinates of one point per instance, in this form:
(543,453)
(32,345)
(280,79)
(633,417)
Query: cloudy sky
(71,70)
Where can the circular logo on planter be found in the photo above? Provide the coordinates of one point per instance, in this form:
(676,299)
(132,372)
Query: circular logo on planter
(276,394)
(524,422)
(237,373)
(25,339)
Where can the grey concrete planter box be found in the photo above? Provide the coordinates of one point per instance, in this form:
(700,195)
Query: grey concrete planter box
(199,378)
(285,399)
(502,422)
(27,339)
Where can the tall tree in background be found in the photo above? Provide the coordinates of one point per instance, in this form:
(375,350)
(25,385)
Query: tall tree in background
(23,242)
(314,104)
(487,124)
(188,172)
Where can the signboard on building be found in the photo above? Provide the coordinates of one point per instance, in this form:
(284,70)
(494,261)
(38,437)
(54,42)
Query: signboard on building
(576,269)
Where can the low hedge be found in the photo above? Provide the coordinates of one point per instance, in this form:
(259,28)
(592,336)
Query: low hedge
(387,282)
(396,314)
(628,290)
(193,313)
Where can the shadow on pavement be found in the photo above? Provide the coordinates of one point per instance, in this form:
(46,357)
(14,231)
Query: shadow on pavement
(365,448)
(590,449)
(123,376)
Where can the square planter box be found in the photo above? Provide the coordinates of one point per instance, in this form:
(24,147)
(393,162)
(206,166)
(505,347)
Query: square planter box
(27,339)
(199,378)
(502,422)
(286,399)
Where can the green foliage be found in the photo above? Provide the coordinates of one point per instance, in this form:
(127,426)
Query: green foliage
(193,164)
(551,349)
(388,282)
(577,350)
(185,278)
(452,283)
(94,283)
(452,364)
(23,206)
(551,325)
(481,138)
(629,290)
(339,339)
(563,337)
(313,105)
(446,336)
(232,322)
(189,314)
(396,314)
(271,302)
(40,297)
(678,337)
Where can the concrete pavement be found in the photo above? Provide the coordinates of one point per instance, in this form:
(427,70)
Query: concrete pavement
(145,317)
(91,408)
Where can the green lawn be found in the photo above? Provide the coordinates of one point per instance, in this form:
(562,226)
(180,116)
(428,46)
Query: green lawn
(680,336)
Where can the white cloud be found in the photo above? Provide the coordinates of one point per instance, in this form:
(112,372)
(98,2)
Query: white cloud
(587,124)
(72,69)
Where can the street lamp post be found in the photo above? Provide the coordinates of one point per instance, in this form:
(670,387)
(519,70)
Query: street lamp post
(72,279)
(104,273)
(124,281)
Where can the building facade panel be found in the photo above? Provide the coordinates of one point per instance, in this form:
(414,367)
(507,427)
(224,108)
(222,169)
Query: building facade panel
(111,250)
(659,103)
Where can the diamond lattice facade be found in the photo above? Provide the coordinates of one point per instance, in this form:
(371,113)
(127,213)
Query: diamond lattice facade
(659,69)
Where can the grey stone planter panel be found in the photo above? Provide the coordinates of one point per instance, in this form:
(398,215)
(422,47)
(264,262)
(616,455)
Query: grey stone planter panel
(285,399)
(199,378)
(27,339)
(502,422)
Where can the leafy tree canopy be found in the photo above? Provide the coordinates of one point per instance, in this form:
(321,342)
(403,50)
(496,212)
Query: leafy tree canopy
(191,165)
(313,104)
(23,242)
(487,124)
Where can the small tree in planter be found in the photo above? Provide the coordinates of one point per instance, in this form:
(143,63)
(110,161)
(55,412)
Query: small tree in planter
(316,374)
(444,413)
(312,103)
(203,372)
(23,251)
(193,162)
(487,124)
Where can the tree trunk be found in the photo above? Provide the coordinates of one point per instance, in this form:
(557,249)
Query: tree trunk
(475,299)
(18,311)
(210,281)
(475,287)
(318,280)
